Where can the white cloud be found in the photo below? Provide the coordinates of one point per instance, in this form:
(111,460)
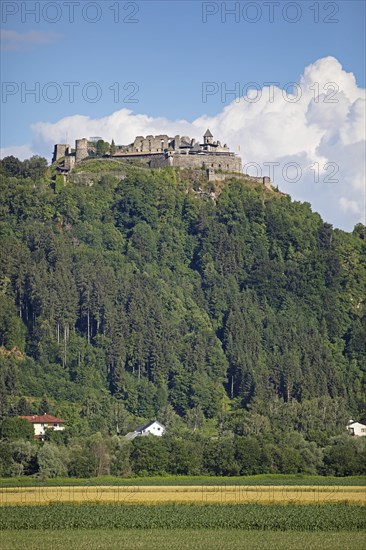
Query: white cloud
(14,40)
(349,205)
(323,132)
(20,151)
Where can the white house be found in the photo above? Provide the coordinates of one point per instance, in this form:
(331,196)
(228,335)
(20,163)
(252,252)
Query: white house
(151,428)
(356,428)
(44,422)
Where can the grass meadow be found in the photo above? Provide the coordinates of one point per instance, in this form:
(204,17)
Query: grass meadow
(262,479)
(178,539)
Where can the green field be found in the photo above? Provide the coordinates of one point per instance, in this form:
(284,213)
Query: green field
(177,539)
(273,517)
(182,526)
(265,479)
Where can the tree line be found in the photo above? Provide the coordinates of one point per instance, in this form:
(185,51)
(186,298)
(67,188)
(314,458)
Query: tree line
(192,454)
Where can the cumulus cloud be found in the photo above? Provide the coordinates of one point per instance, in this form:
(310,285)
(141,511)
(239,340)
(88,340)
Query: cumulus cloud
(20,151)
(349,205)
(14,40)
(315,137)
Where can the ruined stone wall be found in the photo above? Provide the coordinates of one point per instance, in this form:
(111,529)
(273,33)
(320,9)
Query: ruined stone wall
(59,151)
(219,162)
(69,162)
(81,149)
(153,144)
(265,181)
(216,176)
(160,161)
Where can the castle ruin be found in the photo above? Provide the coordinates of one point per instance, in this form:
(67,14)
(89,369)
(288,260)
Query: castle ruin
(158,152)
(161,151)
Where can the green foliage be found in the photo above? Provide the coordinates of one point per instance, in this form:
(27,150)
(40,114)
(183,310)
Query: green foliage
(82,463)
(120,457)
(5,459)
(33,168)
(219,457)
(344,456)
(185,456)
(50,461)
(11,166)
(149,456)
(102,148)
(59,183)
(112,148)
(24,458)
(13,428)
(243,318)
(12,329)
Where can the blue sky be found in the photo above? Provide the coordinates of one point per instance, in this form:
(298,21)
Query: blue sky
(161,52)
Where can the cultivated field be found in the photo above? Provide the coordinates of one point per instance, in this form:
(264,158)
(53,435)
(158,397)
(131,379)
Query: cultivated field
(183,517)
(257,512)
(181,480)
(216,494)
(273,517)
(179,539)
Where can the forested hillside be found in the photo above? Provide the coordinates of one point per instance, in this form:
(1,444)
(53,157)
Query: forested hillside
(134,299)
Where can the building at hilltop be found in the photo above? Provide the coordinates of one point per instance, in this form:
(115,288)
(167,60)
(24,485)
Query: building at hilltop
(158,152)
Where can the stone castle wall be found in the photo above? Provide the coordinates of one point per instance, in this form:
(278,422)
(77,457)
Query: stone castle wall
(264,180)
(225,163)
(69,162)
(81,149)
(60,150)
(159,161)
(152,144)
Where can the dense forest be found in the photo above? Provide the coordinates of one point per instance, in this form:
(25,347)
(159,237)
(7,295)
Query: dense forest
(239,323)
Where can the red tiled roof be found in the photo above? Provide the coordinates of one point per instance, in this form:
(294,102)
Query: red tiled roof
(43,419)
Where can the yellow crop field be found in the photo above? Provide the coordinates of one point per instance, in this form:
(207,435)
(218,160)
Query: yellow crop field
(219,494)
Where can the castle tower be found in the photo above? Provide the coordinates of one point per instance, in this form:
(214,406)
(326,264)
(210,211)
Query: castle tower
(207,138)
(69,162)
(177,142)
(81,149)
(60,151)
